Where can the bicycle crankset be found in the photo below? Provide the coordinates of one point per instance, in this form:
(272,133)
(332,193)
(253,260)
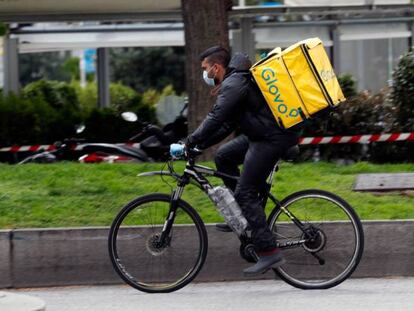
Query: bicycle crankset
(245,250)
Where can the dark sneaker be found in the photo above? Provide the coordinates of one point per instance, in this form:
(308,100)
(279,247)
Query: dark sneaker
(267,260)
(223,228)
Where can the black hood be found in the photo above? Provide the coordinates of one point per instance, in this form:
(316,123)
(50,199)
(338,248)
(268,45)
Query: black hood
(240,62)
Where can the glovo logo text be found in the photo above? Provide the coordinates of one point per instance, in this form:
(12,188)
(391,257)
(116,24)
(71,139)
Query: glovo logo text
(269,76)
(327,75)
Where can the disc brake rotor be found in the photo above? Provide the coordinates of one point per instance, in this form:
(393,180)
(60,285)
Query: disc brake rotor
(155,247)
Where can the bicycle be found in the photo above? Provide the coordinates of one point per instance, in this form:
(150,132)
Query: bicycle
(312,227)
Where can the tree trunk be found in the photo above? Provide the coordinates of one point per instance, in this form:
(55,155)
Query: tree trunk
(205,24)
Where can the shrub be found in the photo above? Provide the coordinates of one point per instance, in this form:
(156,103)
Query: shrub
(88,97)
(15,119)
(48,111)
(123,98)
(348,85)
(105,125)
(403,91)
(62,110)
(71,65)
(364,113)
(58,94)
(401,98)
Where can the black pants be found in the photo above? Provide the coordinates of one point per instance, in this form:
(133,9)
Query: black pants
(258,159)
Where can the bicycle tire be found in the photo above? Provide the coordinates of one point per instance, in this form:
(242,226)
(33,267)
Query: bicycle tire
(304,278)
(129,275)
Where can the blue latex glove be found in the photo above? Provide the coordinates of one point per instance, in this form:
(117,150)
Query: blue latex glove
(177,150)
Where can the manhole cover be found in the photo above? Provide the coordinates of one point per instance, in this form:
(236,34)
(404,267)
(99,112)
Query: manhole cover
(384,182)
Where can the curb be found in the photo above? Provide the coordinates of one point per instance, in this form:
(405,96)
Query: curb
(79,256)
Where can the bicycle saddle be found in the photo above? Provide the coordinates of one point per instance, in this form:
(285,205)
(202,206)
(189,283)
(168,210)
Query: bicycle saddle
(291,154)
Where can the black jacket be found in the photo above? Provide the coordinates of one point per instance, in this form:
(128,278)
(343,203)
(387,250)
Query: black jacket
(239,104)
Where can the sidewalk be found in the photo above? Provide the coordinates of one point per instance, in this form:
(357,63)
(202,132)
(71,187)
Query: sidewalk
(18,302)
(353,295)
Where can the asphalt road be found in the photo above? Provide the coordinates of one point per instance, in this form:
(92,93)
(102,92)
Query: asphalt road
(391,294)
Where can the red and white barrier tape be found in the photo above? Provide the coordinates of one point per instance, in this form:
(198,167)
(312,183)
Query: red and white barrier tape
(35,148)
(360,139)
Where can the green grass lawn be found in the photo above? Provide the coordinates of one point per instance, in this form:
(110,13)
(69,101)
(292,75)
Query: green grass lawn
(71,194)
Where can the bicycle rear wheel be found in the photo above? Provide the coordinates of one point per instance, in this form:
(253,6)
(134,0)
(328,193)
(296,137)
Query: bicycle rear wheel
(137,254)
(336,246)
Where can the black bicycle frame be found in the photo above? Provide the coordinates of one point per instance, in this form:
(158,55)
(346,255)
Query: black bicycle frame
(194,174)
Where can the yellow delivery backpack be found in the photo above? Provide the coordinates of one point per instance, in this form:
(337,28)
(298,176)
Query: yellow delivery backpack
(298,82)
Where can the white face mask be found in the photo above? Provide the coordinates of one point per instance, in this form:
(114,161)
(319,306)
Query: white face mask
(207,80)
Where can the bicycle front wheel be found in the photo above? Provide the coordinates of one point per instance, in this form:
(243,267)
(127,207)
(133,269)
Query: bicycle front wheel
(326,246)
(146,263)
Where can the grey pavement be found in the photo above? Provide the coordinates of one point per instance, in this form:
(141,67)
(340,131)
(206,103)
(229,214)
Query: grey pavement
(18,302)
(356,294)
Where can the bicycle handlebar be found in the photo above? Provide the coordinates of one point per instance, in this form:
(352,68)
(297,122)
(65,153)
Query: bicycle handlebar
(193,152)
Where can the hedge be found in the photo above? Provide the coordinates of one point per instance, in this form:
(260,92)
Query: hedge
(48,111)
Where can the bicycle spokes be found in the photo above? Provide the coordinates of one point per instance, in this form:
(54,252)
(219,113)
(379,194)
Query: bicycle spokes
(151,250)
(325,248)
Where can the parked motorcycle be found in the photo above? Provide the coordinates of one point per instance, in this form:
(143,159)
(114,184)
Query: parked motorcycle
(149,145)
(155,141)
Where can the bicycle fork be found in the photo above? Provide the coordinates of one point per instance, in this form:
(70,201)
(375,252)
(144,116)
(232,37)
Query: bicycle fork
(165,234)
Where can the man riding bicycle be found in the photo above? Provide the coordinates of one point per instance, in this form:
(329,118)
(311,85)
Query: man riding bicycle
(240,105)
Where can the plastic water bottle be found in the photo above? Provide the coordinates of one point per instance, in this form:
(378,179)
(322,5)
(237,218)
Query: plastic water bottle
(228,208)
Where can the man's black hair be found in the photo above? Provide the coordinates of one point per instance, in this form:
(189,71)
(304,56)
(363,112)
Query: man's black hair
(216,54)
